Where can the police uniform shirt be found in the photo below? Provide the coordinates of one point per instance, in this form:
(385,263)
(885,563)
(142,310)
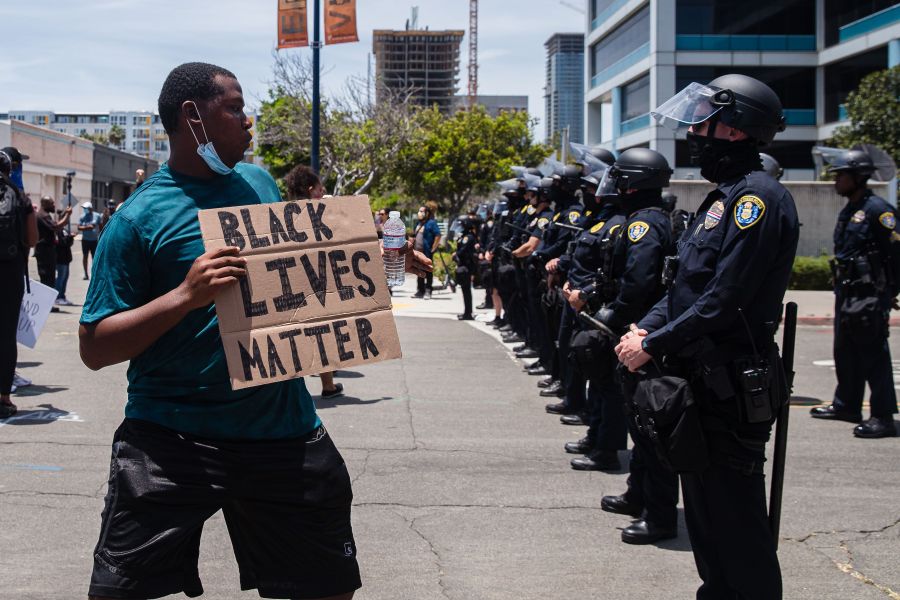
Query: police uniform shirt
(737,254)
(556,239)
(540,223)
(465,250)
(643,243)
(861,225)
(588,255)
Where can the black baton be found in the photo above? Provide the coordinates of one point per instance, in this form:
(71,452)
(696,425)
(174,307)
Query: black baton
(781,425)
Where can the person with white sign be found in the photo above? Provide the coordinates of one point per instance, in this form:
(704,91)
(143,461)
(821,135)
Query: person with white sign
(258,453)
(18,233)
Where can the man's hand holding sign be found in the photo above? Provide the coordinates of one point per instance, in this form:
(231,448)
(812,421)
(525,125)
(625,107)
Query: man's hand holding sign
(313,296)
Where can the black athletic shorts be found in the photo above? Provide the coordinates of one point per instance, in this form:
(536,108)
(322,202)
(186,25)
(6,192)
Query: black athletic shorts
(286,505)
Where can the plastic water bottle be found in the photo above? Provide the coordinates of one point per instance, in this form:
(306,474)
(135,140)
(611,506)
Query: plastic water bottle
(394,239)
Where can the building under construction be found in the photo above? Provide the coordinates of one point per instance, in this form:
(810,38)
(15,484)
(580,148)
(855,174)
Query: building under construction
(422,61)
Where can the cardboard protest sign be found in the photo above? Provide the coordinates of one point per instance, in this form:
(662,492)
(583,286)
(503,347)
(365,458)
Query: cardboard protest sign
(315,297)
(33,313)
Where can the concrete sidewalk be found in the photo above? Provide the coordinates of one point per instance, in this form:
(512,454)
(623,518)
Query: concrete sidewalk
(813,307)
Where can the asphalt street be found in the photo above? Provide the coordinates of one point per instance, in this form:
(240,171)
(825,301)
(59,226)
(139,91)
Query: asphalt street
(462,490)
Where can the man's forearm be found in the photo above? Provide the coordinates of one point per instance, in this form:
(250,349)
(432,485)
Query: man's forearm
(127,334)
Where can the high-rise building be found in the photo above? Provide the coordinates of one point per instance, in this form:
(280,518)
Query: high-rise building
(424,62)
(813,53)
(564,89)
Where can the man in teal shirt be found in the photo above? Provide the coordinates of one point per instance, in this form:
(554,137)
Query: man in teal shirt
(190,445)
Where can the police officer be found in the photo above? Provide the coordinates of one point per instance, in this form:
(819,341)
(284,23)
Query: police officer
(603,217)
(466,262)
(867,279)
(715,328)
(633,265)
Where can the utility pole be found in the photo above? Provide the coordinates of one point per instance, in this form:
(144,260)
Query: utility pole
(316,46)
(473,52)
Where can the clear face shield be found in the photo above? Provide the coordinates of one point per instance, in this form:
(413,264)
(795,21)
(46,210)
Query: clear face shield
(691,106)
(608,183)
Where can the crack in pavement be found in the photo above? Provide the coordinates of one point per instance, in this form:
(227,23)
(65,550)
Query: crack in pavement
(434,552)
(364,467)
(847,566)
(550,460)
(32,493)
(408,403)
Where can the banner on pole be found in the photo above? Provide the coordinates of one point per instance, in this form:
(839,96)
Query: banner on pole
(315,297)
(292,31)
(340,21)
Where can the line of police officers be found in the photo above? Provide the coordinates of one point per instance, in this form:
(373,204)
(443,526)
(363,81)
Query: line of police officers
(653,322)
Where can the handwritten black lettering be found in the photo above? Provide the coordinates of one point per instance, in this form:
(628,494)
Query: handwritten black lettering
(229,223)
(251,308)
(319,228)
(255,241)
(277,228)
(342,338)
(291,210)
(318,280)
(249,362)
(363,330)
(288,300)
(318,331)
(369,290)
(335,257)
(274,359)
(290,335)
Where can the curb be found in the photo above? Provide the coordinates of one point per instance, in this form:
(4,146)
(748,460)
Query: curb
(829,320)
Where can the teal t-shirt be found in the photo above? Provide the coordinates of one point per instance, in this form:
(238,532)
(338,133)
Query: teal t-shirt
(181,380)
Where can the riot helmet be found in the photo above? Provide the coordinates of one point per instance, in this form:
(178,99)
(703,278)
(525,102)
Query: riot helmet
(636,169)
(669,201)
(854,161)
(602,154)
(738,101)
(771,166)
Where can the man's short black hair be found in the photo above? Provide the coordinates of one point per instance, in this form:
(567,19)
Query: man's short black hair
(190,81)
(298,182)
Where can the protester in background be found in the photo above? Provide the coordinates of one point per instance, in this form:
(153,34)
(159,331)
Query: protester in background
(64,242)
(18,232)
(427,237)
(15,172)
(139,177)
(45,250)
(302,183)
(107,213)
(89,226)
(380,218)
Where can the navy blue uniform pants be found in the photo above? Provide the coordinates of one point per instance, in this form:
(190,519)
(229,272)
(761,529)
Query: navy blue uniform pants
(607,425)
(857,364)
(573,381)
(651,484)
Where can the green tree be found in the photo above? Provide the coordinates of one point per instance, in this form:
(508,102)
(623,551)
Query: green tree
(874,112)
(116,135)
(455,158)
(97,138)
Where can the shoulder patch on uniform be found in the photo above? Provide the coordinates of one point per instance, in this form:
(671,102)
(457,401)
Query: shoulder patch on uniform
(522,211)
(574,216)
(858,217)
(748,211)
(542,222)
(530,209)
(598,227)
(612,229)
(556,217)
(587,213)
(637,230)
(714,215)
(532,223)
(888,220)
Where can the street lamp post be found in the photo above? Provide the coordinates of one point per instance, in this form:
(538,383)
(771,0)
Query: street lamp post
(316,45)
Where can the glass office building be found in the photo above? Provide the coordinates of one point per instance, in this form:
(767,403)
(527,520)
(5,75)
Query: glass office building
(564,86)
(813,53)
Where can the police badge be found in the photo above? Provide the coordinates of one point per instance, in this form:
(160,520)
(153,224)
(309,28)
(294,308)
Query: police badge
(858,217)
(714,215)
(748,211)
(887,220)
(637,230)
(542,223)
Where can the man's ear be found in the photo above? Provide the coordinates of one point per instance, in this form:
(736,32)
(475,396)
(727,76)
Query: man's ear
(189,111)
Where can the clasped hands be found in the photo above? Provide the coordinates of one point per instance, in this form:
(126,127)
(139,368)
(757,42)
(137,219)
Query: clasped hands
(630,351)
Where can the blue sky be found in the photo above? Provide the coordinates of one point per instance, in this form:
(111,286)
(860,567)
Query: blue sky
(99,55)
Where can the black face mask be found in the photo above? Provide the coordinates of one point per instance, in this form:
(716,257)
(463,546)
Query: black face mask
(720,160)
(590,201)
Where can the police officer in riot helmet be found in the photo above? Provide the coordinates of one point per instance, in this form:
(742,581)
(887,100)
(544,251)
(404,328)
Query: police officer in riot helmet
(771,166)
(466,262)
(867,280)
(603,154)
(714,330)
(632,285)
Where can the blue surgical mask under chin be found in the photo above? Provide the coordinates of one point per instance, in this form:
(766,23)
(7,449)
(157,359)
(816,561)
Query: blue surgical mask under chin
(207,152)
(209,155)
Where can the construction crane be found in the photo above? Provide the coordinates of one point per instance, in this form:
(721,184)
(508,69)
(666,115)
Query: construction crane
(473,53)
